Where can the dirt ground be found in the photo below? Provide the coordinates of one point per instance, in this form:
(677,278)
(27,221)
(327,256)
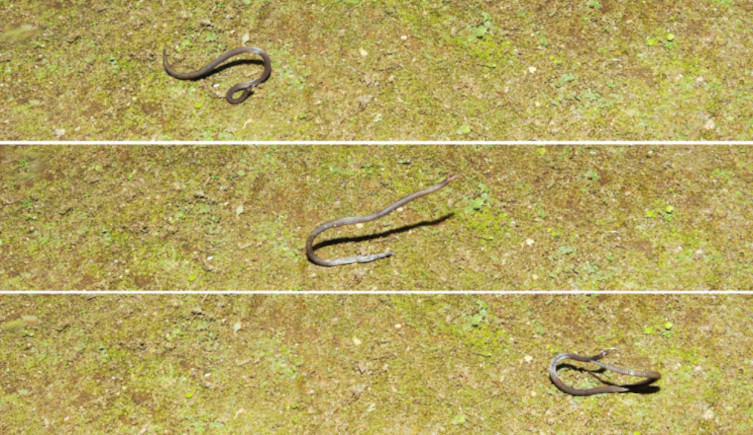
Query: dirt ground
(347,364)
(237,217)
(222,217)
(365,70)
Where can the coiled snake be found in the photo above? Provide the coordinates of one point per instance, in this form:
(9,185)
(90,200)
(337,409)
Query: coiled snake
(651,377)
(246,87)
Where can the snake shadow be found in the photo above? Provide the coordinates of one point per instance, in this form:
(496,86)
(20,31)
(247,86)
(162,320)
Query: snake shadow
(637,389)
(381,235)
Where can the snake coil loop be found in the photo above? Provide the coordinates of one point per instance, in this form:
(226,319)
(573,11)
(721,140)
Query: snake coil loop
(651,377)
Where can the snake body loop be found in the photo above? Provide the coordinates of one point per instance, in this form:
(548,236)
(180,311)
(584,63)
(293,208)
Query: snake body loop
(651,377)
(246,87)
(357,220)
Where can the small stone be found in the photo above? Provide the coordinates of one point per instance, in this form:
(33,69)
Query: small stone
(531,69)
(364,100)
(529,242)
(709,125)
(363,52)
(356,341)
(404,37)
(398,326)
(528,358)
(239,210)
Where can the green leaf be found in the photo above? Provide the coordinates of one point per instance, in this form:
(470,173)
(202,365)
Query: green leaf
(592,175)
(458,420)
(476,320)
(565,250)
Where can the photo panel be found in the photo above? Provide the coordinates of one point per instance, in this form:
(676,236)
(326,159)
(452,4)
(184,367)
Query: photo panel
(360,363)
(223,217)
(365,70)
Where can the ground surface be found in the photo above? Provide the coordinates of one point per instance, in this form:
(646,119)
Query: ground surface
(237,217)
(380,70)
(403,364)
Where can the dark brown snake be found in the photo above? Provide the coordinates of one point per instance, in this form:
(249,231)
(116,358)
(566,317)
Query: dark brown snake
(357,220)
(246,87)
(651,377)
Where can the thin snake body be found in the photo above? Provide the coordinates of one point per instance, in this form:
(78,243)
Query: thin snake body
(357,220)
(246,87)
(650,376)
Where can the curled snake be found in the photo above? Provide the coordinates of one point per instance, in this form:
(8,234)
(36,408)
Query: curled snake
(651,377)
(246,87)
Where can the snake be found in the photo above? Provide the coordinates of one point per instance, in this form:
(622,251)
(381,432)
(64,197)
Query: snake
(650,376)
(357,220)
(246,87)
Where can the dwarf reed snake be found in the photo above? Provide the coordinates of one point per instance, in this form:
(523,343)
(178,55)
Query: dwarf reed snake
(357,220)
(651,377)
(246,87)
